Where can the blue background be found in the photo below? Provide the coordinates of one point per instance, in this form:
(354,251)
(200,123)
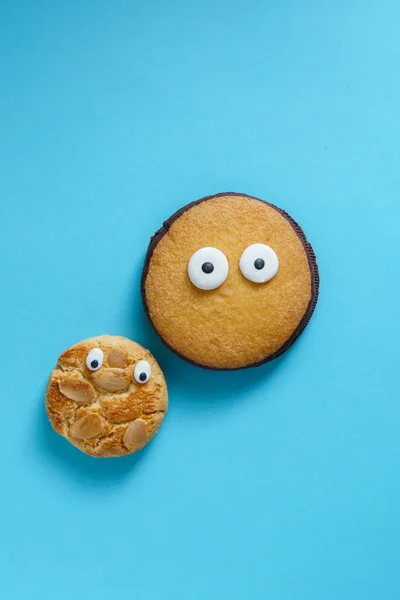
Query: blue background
(280,483)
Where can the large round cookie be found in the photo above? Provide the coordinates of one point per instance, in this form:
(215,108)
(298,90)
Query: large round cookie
(107,395)
(229,282)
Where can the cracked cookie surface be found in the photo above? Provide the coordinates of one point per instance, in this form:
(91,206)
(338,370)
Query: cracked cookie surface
(107,395)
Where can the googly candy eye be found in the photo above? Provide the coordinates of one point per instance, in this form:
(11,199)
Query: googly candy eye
(94,359)
(142,372)
(208,268)
(259,263)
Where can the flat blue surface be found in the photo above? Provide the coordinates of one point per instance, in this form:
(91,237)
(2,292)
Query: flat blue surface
(280,483)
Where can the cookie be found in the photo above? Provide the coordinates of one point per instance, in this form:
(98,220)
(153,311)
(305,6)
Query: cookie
(229,282)
(107,395)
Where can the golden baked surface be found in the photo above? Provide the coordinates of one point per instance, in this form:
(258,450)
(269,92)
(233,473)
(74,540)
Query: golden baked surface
(106,412)
(240,323)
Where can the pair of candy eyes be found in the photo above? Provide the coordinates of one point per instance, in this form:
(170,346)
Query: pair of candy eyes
(95,358)
(208,268)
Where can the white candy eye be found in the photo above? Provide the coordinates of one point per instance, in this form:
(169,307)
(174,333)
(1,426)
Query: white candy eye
(94,359)
(142,372)
(208,268)
(259,263)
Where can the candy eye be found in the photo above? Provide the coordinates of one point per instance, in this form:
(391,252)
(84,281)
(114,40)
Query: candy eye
(259,263)
(208,268)
(94,359)
(142,372)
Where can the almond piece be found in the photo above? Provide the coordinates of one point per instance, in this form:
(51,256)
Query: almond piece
(76,388)
(117,358)
(87,427)
(112,380)
(135,436)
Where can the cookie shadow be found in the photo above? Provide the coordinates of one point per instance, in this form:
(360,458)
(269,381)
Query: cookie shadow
(62,456)
(196,387)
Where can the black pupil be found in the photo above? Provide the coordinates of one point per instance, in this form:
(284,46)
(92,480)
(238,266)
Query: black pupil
(259,263)
(94,364)
(142,376)
(207,268)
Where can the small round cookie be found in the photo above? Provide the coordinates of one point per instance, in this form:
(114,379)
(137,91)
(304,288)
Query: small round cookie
(107,395)
(229,282)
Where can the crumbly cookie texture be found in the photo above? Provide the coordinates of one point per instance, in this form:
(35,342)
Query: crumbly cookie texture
(106,412)
(240,323)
